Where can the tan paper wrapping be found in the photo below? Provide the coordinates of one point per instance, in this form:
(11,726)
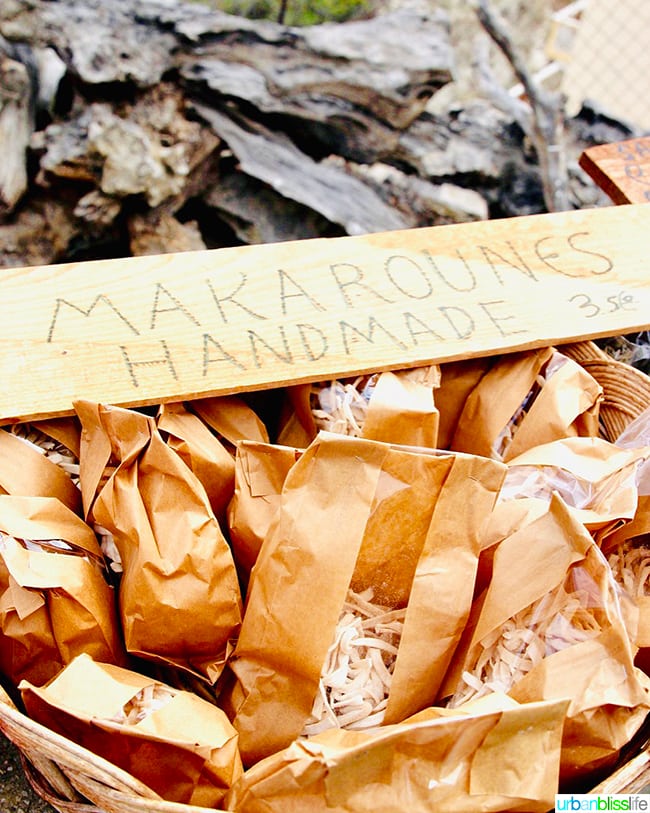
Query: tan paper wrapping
(596,478)
(260,472)
(179,595)
(558,397)
(65,430)
(202,452)
(361,514)
(54,604)
(185,750)
(503,759)
(26,472)
(633,574)
(555,556)
(231,418)
(457,380)
(402,409)
(398,409)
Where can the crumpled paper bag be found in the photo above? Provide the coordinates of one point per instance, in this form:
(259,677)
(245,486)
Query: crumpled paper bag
(176,743)
(526,399)
(260,472)
(595,477)
(502,757)
(457,380)
(393,406)
(549,626)
(401,523)
(179,596)
(202,451)
(231,418)
(54,599)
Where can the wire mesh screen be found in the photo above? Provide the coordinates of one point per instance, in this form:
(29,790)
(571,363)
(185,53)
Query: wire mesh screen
(608,59)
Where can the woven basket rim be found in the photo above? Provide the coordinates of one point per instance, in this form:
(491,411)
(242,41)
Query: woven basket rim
(106,785)
(631,776)
(27,734)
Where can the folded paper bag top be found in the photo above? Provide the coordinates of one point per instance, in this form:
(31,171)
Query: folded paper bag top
(181,746)
(358,515)
(488,757)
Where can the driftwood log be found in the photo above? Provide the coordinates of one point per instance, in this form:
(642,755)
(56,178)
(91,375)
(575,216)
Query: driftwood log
(144,127)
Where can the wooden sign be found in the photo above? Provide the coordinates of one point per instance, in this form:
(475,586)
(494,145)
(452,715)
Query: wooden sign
(621,170)
(144,330)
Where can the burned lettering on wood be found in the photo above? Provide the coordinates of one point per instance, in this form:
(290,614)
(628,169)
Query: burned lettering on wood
(151,329)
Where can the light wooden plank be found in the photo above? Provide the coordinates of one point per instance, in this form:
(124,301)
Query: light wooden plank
(145,330)
(621,169)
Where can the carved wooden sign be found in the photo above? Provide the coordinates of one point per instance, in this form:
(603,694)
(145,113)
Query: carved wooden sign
(621,169)
(144,330)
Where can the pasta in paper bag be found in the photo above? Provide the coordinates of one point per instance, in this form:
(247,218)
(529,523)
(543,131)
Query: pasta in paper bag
(58,439)
(393,407)
(54,599)
(627,551)
(526,399)
(179,745)
(359,521)
(25,471)
(549,626)
(179,595)
(596,478)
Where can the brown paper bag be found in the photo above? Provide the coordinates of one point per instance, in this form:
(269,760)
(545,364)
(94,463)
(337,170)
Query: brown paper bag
(393,407)
(179,596)
(627,551)
(548,627)
(26,471)
(231,418)
(596,478)
(500,759)
(457,380)
(202,452)
(54,600)
(260,472)
(397,525)
(527,399)
(58,438)
(174,742)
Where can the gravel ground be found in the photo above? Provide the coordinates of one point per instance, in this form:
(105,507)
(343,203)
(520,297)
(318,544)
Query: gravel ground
(16,794)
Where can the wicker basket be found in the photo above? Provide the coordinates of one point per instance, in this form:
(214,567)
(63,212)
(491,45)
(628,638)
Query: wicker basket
(74,780)
(626,389)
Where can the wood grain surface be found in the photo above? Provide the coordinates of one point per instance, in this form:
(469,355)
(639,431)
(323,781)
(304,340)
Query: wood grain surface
(621,170)
(145,330)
